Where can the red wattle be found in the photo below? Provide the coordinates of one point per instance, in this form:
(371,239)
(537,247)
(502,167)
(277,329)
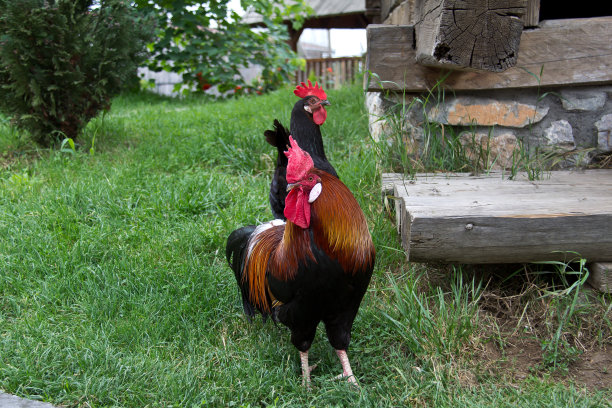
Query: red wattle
(319,115)
(297,208)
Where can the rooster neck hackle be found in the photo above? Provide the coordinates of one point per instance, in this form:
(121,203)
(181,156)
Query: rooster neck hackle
(305,131)
(277,250)
(339,226)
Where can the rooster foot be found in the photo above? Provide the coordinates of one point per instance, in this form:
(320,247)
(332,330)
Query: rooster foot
(347,372)
(306,369)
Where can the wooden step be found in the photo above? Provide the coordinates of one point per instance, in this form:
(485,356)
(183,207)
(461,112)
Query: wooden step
(490,219)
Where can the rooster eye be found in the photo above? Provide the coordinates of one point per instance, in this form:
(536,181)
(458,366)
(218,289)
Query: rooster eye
(310,178)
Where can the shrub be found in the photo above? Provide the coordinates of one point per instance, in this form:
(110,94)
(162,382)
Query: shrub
(61,61)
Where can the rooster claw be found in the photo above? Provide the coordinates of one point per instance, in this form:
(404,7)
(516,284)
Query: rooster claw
(350,378)
(306,376)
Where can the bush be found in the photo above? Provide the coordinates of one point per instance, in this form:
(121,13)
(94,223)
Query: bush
(61,61)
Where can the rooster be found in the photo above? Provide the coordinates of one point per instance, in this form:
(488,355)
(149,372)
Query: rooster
(313,267)
(307,115)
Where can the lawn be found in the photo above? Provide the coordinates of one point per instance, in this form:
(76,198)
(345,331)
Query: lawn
(115,291)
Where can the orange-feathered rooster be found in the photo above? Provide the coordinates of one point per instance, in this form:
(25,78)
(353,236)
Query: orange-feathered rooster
(314,267)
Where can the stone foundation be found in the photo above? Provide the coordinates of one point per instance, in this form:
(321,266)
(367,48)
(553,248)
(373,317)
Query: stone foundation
(575,122)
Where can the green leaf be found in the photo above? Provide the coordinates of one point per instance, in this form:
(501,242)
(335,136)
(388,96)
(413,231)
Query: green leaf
(205,33)
(70,142)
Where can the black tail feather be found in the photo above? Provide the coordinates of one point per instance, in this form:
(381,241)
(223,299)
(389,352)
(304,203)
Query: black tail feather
(279,138)
(236,252)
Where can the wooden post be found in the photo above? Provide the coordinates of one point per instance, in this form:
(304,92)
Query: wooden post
(474,34)
(373,10)
(294,36)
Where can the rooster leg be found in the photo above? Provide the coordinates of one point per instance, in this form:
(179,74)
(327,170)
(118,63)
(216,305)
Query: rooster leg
(306,369)
(347,372)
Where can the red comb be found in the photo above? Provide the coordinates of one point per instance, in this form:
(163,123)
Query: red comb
(316,90)
(299,164)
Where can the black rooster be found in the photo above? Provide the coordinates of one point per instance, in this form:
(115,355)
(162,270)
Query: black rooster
(307,115)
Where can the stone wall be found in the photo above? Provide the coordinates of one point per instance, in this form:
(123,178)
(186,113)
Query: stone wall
(575,122)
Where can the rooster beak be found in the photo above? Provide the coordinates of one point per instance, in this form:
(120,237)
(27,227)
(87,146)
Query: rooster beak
(325,102)
(291,186)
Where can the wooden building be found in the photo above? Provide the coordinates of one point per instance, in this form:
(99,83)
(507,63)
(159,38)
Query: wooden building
(419,38)
(531,71)
(327,14)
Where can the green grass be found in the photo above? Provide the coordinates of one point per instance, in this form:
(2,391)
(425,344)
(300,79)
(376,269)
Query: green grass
(114,290)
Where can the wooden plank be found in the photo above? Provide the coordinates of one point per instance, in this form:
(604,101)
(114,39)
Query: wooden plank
(575,51)
(469,33)
(532,16)
(487,219)
(600,276)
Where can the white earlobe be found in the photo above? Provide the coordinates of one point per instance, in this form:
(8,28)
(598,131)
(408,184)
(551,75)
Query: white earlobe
(307,109)
(315,192)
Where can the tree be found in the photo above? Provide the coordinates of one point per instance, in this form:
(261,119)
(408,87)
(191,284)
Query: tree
(207,44)
(61,61)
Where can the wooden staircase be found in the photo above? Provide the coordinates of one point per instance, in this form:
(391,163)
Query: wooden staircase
(463,218)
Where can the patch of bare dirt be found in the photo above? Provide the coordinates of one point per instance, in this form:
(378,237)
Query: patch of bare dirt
(518,315)
(593,369)
(525,321)
(523,358)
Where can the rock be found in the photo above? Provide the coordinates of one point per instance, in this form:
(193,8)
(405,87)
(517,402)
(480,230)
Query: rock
(375,105)
(496,151)
(386,127)
(467,111)
(11,401)
(604,133)
(413,138)
(559,136)
(582,100)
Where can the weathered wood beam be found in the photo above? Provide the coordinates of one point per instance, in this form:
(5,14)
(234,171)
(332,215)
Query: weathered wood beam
(560,52)
(532,15)
(474,34)
(403,13)
(373,11)
(390,52)
(487,219)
